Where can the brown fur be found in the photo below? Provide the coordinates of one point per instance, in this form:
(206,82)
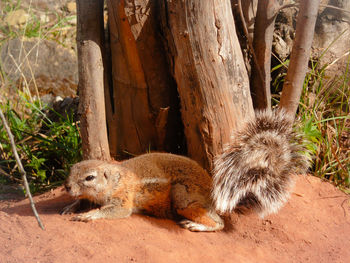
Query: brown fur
(158,184)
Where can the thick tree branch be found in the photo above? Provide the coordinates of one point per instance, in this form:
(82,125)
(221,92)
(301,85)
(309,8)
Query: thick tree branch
(262,44)
(247,11)
(305,28)
(250,43)
(91,89)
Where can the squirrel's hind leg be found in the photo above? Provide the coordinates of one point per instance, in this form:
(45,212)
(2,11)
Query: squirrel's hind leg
(195,206)
(199,219)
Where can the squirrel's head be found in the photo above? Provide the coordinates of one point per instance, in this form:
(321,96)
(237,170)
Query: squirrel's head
(93,180)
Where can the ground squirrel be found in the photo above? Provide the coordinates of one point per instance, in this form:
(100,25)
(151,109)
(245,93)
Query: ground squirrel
(256,168)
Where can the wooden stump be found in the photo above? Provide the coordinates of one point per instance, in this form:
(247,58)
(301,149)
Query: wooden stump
(209,70)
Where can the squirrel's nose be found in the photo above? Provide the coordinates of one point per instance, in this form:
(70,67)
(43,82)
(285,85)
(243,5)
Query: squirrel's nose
(68,188)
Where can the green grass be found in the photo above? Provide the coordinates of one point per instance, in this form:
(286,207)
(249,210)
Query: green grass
(47,149)
(324,109)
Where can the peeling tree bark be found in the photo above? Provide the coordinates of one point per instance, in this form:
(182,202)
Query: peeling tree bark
(210,73)
(305,29)
(91,104)
(262,45)
(129,86)
(144,92)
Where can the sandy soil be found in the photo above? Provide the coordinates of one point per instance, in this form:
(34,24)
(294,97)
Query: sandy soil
(313,227)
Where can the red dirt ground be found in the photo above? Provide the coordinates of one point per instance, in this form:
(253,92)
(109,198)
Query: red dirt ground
(313,227)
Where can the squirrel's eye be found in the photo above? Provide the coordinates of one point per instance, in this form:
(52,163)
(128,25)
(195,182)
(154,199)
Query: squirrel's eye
(89,178)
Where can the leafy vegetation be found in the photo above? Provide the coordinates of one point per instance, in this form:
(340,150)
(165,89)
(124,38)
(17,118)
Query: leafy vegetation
(47,149)
(324,110)
(324,119)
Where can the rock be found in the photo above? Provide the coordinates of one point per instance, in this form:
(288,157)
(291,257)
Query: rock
(44,5)
(284,32)
(330,25)
(44,18)
(72,7)
(280,47)
(332,32)
(43,64)
(63,108)
(16,18)
(50,100)
(73,21)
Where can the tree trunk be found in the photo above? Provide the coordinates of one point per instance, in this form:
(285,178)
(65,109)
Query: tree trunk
(145,97)
(209,70)
(91,104)
(299,59)
(262,44)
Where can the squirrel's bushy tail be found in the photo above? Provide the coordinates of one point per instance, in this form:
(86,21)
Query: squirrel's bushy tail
(258,165)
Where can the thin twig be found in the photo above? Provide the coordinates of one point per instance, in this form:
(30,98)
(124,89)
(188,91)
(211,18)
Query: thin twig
(342,206)
(21,169)
(331,197)
(321,5)
(2,172)
(288,6)
(335,7)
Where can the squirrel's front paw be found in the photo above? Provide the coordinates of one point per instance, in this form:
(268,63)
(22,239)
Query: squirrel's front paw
(85,217)
(72,208)
(82,218)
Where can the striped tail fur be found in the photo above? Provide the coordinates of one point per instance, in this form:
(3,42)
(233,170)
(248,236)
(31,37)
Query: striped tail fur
(257,167)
